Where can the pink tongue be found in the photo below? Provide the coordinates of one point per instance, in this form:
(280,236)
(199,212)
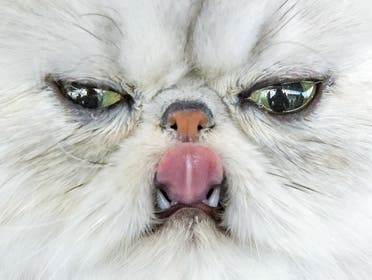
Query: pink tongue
(187,172)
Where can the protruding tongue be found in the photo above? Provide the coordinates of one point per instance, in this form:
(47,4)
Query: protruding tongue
(188,172)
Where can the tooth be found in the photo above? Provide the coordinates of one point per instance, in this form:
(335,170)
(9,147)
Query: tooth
(162,202)
(215,197)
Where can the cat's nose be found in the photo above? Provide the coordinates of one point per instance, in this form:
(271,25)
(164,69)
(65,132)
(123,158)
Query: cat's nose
(189,173)
(187,119)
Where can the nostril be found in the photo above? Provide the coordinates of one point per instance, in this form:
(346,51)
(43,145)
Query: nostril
(174,126)
(200,127)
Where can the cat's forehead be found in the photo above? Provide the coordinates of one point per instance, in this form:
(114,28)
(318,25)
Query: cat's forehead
(147,41)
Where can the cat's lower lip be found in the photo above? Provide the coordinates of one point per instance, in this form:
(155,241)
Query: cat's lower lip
(213,212)
(212,200)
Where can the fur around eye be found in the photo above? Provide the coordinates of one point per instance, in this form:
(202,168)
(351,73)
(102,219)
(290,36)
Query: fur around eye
(284,98)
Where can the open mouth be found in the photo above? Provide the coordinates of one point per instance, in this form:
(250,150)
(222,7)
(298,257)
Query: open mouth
(212,206)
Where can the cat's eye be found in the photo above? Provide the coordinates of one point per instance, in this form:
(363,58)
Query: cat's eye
(283,98)
(92,97)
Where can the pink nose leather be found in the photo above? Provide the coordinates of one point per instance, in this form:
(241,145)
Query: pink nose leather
(188,171)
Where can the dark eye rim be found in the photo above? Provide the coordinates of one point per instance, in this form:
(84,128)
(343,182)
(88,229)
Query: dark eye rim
(59,86)
(320,83)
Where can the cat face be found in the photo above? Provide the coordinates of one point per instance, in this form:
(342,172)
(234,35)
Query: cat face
(185,139)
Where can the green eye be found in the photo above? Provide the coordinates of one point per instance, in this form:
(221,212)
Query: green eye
(284,98)
(89,96)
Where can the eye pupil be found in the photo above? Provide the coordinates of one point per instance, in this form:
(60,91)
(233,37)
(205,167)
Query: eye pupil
(283,98)
(89,101)
(87,97)
(278,101)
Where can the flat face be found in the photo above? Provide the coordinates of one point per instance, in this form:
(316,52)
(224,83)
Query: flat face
(185,139)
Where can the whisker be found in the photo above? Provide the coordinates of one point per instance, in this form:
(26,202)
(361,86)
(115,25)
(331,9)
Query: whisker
(114,23)
(303,187)
(90,164)
(74,188)
(295,185)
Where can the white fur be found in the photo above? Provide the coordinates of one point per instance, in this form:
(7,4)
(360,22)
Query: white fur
(76,186)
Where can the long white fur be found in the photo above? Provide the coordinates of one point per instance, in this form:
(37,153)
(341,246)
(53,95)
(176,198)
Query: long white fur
(76,187)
